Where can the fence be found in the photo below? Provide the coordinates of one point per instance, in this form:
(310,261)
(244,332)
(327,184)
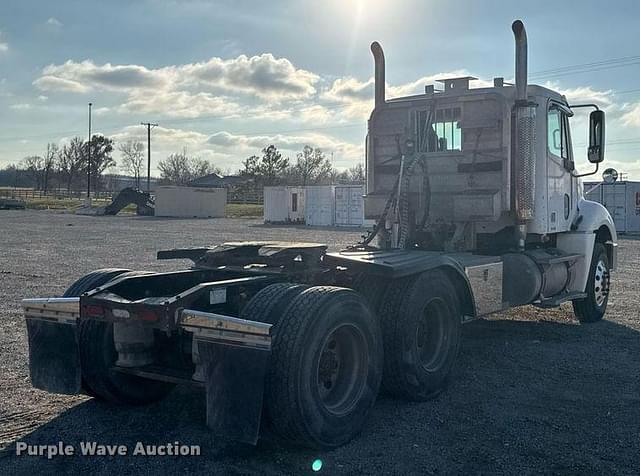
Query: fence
(238,196)
(56,194)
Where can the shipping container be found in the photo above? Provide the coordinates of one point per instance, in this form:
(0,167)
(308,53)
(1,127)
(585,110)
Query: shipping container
(284,204)
(319,205)
(622,199)
(349,205)
(173,201)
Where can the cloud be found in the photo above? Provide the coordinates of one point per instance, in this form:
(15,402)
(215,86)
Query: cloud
(180,104)
(20,107)
(4,46)
(54,23)
(345,153)
(53,83)
(87,76)
(632,116)
(263,76)
(584,94)
(349,90)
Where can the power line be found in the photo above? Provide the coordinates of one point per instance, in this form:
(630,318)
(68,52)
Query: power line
(583,65)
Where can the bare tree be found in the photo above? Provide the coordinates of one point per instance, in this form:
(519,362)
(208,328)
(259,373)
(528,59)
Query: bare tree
(132,153)
(180,168)
(70,161)
(34,166)
(311,167)
(356,174)
(48,165)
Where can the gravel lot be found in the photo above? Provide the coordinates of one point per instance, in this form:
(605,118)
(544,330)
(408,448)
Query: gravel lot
(533,391)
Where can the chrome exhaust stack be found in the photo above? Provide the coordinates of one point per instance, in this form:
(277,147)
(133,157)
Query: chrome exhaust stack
(379,79)
(525,159)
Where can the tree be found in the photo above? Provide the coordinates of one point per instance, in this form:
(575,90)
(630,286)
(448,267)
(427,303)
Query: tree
(48,165)
(34,166)
(70,161)
(356,174)
(272,166)
(101,148)
(251,166)
(132,153)
(180,169)
(311,168)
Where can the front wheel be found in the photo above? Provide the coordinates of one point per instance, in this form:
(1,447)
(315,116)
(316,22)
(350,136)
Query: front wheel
(593,307)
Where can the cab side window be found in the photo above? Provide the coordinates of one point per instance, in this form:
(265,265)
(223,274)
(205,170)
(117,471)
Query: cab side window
(558,133)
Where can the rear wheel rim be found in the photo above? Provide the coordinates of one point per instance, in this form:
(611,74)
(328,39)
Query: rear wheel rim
(432,335)
(342,369)
(601,283)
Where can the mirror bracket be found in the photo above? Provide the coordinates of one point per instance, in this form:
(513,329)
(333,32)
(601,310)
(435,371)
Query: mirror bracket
(587,174)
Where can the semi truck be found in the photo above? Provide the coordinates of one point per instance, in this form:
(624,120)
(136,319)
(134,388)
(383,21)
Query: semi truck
(478,208)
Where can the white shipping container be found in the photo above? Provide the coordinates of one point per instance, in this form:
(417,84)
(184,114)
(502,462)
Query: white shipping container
(284,204)
(622,199)
(319,205)
(349,205)
(181,202)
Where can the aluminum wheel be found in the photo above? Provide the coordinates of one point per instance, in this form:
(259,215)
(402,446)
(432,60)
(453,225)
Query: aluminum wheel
(601,283)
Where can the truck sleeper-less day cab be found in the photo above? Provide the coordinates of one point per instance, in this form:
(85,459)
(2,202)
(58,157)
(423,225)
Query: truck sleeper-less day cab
(478,208)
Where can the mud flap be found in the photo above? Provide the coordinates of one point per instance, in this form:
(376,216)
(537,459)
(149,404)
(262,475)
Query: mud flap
(54,359)
(234,380)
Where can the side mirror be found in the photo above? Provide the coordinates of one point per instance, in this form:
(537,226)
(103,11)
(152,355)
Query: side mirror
(595,153)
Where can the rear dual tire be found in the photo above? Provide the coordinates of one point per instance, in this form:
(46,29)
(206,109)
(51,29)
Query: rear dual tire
(421,322)
(326,363)
(98,354)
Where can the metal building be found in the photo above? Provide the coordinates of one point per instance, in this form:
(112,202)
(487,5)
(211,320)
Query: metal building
(183,202)
(622,199)
(284,204)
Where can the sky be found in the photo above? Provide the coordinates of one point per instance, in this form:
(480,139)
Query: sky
(224,78)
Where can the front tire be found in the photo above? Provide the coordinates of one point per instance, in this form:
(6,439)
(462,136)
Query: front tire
(593,307)
(326,367)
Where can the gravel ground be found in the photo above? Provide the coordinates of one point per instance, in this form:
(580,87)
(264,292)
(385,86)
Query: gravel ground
(533,391)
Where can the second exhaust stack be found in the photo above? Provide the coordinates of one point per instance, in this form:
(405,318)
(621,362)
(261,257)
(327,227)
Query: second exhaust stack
(525,153)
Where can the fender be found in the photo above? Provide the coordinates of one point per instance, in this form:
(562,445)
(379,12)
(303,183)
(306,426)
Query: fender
(400,263)
(595,218)
(593,223)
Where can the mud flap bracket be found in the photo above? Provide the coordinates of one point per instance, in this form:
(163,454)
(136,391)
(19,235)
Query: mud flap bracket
(235,354)
(54,357)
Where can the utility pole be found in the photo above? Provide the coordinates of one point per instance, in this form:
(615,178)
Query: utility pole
(149,126)
(89,158)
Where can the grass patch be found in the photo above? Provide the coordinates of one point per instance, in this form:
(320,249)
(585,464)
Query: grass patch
(244,210)
(50,203)
(233,210)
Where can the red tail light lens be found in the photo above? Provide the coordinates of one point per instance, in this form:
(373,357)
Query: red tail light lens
(93,311)
(147,315)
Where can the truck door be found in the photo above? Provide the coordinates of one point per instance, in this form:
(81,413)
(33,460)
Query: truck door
(560,193)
